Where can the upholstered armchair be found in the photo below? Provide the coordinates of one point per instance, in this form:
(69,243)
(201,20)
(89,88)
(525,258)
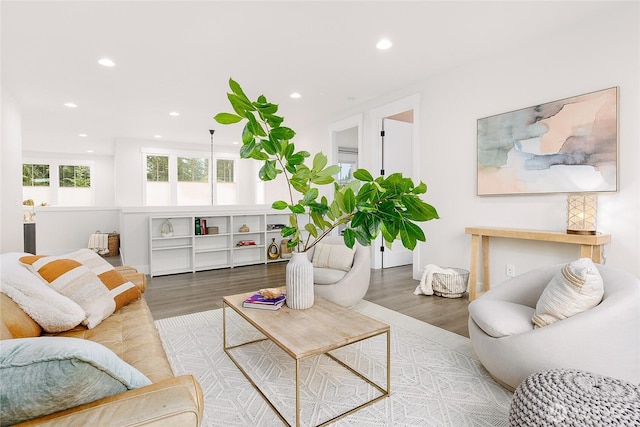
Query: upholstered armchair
(603,340)
(340,274)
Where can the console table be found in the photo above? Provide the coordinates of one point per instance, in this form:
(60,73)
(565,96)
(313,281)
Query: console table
(590,247)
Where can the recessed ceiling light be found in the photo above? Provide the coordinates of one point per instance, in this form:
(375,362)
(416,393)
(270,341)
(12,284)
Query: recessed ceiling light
(157,136)
(70,105)
(106,62)
(235,143)
(82,134)
(384,44)
(295,95)
(174,114)
(89,151)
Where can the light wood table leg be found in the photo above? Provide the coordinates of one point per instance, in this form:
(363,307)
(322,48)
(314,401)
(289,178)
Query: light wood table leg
(486,280)
(473,268)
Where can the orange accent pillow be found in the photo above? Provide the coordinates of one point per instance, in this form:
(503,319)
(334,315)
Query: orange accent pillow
(87,279)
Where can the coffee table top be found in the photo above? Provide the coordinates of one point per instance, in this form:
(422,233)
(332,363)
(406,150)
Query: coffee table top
(316,330)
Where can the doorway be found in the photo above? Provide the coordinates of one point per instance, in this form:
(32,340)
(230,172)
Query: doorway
(396,128)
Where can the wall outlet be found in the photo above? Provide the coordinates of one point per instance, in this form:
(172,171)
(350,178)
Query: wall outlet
(510,270)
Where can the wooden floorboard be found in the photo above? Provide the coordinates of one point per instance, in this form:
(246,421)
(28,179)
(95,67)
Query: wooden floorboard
(393,288)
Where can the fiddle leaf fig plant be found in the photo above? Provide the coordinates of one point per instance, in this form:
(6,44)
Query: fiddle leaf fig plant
(365,206)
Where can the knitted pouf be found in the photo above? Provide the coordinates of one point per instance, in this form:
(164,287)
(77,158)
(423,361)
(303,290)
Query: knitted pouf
(564,397)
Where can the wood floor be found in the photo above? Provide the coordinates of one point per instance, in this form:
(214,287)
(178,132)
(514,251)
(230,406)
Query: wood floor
(393,288)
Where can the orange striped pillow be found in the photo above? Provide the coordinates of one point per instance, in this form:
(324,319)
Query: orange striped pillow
(87,279)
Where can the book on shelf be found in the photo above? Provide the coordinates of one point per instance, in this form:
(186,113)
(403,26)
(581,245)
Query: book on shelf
(260,302)
(198,227)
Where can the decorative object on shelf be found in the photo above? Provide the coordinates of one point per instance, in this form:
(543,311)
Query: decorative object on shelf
(271,227)
(213,230)
(246,243)
(365,207)
(167,228)
(244,229)
(299,282)
(563,146)
(273,252)
(582,212)
(285,250)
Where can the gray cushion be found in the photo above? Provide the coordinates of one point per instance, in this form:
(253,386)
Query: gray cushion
(327,276)
(49,374)
(501,318)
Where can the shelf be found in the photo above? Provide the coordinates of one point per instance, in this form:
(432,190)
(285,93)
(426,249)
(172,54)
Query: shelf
(187,252)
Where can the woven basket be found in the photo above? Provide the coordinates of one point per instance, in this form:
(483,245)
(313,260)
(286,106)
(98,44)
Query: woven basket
(114,244)
(450,285)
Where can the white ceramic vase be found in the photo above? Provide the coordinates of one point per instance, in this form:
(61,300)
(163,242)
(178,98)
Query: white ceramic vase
(299,281)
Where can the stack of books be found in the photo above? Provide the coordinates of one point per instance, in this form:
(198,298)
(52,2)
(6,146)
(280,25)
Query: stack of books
(260,302)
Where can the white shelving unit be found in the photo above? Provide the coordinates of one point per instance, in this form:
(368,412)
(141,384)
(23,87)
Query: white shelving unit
(187,252)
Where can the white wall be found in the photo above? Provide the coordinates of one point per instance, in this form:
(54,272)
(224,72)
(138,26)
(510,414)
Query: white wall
(11,227)
(578,60)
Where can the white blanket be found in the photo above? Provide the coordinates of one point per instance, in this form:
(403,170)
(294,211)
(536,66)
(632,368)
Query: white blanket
(426,283)
(99,242)
(52,311)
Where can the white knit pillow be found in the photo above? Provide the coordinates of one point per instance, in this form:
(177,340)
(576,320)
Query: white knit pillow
(336,257)
(577,287)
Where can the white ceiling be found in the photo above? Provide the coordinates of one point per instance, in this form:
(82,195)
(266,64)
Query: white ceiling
(178,56)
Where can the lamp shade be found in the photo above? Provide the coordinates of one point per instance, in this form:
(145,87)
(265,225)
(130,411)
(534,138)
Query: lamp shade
(582,213)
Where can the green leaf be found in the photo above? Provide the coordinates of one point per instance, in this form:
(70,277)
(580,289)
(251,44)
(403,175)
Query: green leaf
(240,106)
(237,90)
(273,120)
(297,208)
(254,126)
(295,159)
(283,133)
(349,201)
(269,146)
(227,118)
(247,135)
(311,229)
(247,148)
(420,189)
(363,175)
(310,196)
(329,170)
(349,237)
(279,205)
(319,162)
(417,210)
(268,171)
(288,231)
(265,108)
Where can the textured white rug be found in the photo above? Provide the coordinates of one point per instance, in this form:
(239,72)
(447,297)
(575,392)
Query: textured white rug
(436,379)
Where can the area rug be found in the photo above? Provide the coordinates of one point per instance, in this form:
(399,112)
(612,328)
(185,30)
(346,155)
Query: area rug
(436,380)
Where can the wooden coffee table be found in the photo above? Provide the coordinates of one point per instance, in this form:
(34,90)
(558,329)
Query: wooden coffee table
(307,333)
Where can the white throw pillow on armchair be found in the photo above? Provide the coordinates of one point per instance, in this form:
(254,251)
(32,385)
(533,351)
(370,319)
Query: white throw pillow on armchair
(577,287)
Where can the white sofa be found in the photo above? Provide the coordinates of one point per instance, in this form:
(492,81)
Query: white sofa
(346,288)
(603,340)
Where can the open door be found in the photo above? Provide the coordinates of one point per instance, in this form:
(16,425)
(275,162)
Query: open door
(397,156)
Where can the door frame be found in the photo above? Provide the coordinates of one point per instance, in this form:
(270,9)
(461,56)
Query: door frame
(411,102)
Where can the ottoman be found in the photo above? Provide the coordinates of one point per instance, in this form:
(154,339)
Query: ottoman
(565,397)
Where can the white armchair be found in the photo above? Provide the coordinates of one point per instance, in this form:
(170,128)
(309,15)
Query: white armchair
(603,340)
(348,284)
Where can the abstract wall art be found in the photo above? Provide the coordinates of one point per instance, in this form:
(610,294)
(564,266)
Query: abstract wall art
(564,146)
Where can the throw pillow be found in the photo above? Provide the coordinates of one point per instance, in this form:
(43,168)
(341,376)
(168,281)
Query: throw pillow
(501,318)
(51,310)
(92,283)
(577,287)
(337,257)
(44,375)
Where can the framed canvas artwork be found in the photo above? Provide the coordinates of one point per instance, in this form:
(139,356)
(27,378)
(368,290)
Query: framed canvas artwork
(564,146)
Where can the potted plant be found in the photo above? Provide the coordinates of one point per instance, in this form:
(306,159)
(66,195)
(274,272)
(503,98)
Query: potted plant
(366,206)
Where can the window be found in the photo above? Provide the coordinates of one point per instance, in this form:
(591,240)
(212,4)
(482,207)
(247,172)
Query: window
(62,183)
(184,178)
(74,176)
(193,169)
(224,170)
(158,168)
(35,175)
